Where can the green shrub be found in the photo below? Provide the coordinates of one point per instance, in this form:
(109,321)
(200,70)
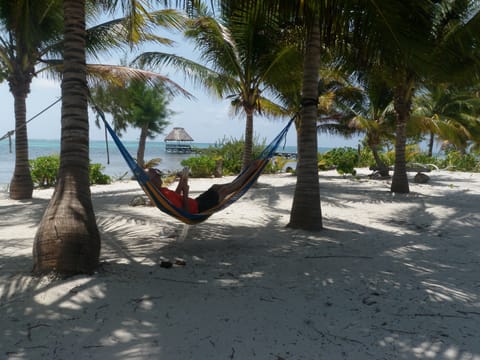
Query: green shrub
(96,175)
(44,171)
(422,158)
(200,166)
(366,158)
(343,159)
(455,160)
(230,151)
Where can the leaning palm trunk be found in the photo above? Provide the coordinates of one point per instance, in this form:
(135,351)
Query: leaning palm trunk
(67,240)
(306,210)
(382,168)
(21,185)
(402,103)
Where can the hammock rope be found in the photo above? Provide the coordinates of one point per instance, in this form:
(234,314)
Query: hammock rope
(10,133)
(181,214)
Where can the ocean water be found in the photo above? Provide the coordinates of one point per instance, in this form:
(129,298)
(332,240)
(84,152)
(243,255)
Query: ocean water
(115,167)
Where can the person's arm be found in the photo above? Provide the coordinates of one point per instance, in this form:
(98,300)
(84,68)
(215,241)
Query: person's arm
(181,185)
(183,189)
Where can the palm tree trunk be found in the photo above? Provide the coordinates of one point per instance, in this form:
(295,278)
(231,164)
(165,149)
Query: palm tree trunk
(21,185)
(306,211)
(141,146)
(382,168)
(67,240)
(247,150)
(402,104)
(431,141)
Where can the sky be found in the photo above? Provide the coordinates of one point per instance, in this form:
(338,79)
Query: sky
(205,118)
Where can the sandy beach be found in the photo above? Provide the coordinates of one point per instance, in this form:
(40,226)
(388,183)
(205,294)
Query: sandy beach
(390,277)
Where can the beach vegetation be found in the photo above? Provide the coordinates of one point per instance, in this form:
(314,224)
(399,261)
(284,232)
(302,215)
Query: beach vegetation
(228,152)
(67,240)
(44,170)
(344,160)
(430,54)
(459,161)
(371,112)
(32,38)
(138,105)
(240,55)
(200,166)
(406,42)
(28,29)
(97,177)
(448,113)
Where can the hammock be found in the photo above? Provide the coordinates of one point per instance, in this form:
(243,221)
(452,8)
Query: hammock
(179,213)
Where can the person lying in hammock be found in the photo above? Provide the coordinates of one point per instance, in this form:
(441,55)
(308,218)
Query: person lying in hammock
(205,201)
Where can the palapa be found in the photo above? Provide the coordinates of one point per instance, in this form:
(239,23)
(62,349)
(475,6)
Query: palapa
(178,134)
(175,141)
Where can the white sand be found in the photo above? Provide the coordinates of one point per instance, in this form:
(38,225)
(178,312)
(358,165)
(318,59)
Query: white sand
(390,277)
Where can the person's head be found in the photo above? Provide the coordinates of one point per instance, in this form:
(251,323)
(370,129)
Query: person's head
(155,176)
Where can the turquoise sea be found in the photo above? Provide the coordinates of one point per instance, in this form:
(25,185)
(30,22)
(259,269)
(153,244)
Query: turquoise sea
(98,154)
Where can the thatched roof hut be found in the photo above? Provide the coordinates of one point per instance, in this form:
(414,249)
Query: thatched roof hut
(178,134)
(175,141)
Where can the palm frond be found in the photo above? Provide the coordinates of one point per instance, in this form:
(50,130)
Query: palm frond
(121,75)
(199,74)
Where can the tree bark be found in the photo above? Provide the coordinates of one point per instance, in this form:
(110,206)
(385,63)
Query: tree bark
(431,141)
(247,152)
(403,105)
(306,211)
(141,146)
(381,167)
(21,185)
(67,241)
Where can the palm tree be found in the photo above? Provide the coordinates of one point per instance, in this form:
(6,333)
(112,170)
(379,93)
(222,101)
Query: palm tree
(374,115)
(326,24)
(138,105)
(240,59)
(27,31)
(428,45)
(324,21)
(67,240)
(306,211)
(449,113)
(30,41)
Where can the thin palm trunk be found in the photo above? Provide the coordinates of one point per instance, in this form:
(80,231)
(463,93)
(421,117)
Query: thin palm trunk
(248,146)
(67,240)
(402,104)
(141,146)
(21,185)
(306,211)
(431,141)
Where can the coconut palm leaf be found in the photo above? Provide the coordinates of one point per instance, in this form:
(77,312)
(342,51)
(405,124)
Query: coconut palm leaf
(237,58)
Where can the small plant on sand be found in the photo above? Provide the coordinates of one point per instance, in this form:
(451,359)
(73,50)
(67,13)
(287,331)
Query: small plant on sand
(44,170)
(343,159)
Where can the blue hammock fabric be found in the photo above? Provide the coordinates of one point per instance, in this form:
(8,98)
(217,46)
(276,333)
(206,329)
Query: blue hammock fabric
(181,214)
